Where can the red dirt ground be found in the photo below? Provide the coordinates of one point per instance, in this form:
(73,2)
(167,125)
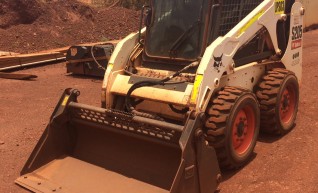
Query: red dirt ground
(27,26)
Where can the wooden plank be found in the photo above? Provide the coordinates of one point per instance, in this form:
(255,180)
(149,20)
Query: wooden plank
(65,49)
(60,50)
(25,59)
(2,53)
(17,76)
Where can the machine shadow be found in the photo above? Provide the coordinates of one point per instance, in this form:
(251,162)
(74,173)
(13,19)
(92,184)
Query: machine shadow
(271,138)
(228,174)
(85,77)
(264,138)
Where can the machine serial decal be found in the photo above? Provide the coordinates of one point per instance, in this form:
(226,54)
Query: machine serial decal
(249,23)
(296,44)
(297,34)
(218,62)
(279,6)
(296,59)
(296,55)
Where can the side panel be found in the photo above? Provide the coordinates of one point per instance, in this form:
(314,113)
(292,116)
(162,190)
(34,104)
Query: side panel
(116,64)
(246,76)
(218,58)
(293,57)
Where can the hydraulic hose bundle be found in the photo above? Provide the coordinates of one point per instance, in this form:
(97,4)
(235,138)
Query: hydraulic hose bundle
(162,82)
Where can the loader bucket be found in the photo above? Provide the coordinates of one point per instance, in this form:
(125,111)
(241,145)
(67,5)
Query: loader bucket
(89,149)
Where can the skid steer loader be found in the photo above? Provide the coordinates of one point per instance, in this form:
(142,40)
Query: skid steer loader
(181,99)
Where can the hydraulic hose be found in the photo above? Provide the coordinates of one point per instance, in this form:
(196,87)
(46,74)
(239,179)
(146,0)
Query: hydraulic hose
(162,82)
(94,58)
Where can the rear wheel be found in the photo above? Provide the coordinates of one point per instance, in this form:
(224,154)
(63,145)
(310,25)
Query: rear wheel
(278,95)
(232,126)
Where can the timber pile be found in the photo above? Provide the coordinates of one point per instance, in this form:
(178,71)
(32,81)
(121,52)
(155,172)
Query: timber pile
(13,60)
(16,76)
(7,53)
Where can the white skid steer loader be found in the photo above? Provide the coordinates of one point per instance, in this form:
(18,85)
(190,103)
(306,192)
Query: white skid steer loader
(182,98)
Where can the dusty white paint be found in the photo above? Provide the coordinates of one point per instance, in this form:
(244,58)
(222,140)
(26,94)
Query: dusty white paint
(311,16)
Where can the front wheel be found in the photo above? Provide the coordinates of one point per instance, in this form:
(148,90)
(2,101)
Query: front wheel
(232,126)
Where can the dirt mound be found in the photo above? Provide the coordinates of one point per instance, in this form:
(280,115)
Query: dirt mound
(66,11)
(19,12)
(32,25)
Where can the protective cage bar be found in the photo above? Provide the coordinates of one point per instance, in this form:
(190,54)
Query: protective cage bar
(232,12)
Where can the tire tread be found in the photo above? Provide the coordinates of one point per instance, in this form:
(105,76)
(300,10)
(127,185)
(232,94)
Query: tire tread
(267,95)
(218,112)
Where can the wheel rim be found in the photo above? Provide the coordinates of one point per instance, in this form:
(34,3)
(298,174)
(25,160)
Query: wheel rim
(243,130)
(287,104)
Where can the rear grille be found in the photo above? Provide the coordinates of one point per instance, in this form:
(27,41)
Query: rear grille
(233,11)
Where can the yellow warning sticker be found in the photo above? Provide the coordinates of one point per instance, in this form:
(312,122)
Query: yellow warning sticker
(65,100)
(196,87)
(279,7)
(110,65)
(250,22)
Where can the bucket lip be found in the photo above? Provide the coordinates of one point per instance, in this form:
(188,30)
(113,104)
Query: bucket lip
(36,183)
(46,179)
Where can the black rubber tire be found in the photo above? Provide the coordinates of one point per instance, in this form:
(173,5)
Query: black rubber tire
(221,113)
(269,93)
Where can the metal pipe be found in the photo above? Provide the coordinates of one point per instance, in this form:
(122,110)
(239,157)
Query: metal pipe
(88,107)
(157,123)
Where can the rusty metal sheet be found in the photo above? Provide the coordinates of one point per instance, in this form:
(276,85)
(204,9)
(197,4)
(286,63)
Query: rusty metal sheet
(17,76)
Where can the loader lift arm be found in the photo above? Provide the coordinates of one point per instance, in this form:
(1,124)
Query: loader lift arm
(266,15)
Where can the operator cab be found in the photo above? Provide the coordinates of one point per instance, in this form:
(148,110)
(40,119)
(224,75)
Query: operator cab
(176,30)
(179,31)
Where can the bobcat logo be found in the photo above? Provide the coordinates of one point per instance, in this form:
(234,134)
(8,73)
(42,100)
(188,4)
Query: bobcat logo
(217,62)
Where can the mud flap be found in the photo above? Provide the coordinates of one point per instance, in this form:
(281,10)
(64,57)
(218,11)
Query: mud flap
(89,149)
